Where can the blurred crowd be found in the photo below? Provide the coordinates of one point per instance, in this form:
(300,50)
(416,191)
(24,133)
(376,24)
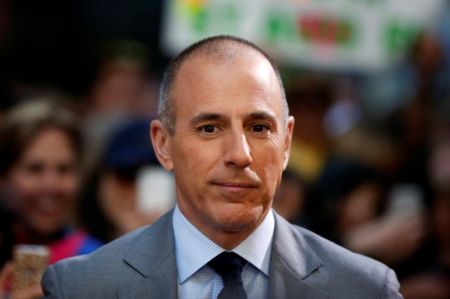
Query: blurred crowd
(369,167)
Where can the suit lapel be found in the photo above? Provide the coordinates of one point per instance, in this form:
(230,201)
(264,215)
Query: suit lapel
(292,263)
(152,257)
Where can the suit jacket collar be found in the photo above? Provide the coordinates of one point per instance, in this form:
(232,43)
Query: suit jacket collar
(292,263)
(152,255)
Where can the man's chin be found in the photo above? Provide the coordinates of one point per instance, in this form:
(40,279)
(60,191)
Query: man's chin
(235,218)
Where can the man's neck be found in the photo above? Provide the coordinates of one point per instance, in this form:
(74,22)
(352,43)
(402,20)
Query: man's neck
(227,239)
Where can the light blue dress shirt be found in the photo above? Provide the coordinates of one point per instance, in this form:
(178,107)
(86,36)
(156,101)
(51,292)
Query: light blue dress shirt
(193,250)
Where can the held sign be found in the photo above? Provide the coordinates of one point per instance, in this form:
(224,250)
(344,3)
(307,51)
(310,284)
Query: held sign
(331,34)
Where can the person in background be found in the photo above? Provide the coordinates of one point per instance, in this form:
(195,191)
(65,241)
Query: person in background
(309,99)
(289,199)
(109,204)
(123,88)
(346,195)
(39,181)
(434,282)
(351,205)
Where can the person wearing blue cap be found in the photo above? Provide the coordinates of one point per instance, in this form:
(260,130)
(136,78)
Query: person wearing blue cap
(109,204)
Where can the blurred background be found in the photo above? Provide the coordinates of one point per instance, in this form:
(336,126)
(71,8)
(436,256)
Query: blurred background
(368,82)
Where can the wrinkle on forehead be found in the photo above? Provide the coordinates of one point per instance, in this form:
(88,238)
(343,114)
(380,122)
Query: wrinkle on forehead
(251,68)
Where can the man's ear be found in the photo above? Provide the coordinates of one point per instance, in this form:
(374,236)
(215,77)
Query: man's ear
(288,140)
(160,141)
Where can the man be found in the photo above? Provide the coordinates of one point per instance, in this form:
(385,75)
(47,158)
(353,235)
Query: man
(225,132)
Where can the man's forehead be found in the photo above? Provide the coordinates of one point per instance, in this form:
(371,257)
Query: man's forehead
(228,54)
(251,67)
(244,75)
(236,84)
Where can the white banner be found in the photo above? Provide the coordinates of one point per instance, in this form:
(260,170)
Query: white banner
(330,34)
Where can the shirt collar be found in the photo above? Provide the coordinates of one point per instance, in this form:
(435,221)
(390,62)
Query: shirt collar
(193,249)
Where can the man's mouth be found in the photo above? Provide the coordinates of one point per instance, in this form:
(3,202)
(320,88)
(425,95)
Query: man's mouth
(232,186)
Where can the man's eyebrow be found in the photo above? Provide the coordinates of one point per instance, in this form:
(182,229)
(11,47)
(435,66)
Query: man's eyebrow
(205,116)
(263,116)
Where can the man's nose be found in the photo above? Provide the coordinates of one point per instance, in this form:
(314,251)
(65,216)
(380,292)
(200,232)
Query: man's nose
(237,151)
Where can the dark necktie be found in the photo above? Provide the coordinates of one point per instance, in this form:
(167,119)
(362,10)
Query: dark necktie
(229,266)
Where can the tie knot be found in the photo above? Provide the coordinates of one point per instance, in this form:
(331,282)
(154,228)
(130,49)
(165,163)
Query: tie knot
(229,266)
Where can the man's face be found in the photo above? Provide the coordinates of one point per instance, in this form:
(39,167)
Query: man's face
(231,142)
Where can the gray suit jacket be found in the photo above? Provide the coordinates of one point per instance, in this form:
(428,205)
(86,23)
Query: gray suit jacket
(142,265)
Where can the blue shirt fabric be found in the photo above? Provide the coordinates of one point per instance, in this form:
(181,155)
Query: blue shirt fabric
(193,250)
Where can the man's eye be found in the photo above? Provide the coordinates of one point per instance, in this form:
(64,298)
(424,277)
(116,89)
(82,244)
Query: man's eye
(260,128)
(208,129)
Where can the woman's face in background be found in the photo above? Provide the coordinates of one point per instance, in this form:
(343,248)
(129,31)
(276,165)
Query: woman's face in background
(43,182)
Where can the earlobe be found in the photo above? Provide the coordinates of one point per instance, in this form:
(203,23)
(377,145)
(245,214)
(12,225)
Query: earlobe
(160,141)
(288,140)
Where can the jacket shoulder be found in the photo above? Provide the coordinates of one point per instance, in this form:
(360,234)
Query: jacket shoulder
(83,276)
(350,272)
(306,258)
